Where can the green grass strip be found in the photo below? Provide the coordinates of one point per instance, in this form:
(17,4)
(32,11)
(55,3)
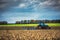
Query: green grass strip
(34,25)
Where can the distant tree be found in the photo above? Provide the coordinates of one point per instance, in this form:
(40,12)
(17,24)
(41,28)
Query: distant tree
(22,21)
(25,21)
(18,22)
(33,21)
(3,22)
(29,21)
(57,21)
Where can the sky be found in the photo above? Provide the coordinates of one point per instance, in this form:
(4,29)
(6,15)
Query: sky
(17,10)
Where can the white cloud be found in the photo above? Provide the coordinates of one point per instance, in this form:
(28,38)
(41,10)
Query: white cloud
(22,5)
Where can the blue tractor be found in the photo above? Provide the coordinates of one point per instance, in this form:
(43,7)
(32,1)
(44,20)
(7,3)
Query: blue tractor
(42,25)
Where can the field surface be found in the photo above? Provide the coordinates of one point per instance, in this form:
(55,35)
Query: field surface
(27,26)
(34,25)
(6,32)
(29,34)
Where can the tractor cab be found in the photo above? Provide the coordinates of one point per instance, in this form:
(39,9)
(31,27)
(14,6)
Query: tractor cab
(42,25)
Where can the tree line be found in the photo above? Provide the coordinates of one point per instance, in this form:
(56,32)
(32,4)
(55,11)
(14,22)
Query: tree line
(36,21)
(32,21)
(3,22)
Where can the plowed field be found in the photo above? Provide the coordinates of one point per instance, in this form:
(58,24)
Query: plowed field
(30,34)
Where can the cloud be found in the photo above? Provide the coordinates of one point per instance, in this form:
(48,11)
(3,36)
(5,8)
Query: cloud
(55,4)
(42,4)
(27,4)
(22,5)
(6,4)
(37,4)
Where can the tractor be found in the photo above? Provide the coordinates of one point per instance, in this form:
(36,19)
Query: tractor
(42,25)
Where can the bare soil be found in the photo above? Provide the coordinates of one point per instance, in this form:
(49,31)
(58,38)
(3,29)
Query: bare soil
(23,28)
(30,34)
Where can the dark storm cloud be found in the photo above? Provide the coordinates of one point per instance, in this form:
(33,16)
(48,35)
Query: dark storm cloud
(57,4)
(52,3)
(6,4)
